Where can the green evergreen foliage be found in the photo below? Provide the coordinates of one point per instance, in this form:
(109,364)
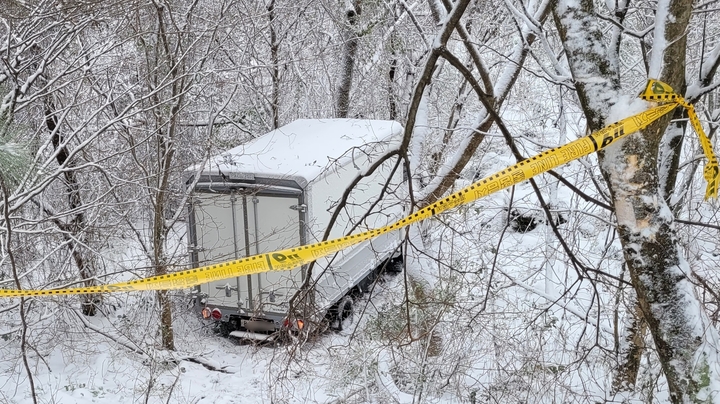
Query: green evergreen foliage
(14,157)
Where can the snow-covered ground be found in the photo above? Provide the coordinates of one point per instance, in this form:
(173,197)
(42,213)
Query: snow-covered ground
(486,325)
(108,359)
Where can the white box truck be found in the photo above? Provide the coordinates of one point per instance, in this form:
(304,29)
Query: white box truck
(281,190)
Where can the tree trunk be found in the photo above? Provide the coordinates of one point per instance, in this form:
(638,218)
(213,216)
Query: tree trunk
(166,64)
(166,331)
(627,371)
(683,336)
(350,47)
(6,249)
(75,230)
(274,55)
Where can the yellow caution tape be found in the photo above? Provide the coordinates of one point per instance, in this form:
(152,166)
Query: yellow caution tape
(294,257)
(658,91)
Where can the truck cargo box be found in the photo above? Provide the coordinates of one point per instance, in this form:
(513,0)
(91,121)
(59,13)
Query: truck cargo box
(280,190)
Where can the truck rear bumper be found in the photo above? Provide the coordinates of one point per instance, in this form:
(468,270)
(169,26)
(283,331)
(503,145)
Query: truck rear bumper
(247,335)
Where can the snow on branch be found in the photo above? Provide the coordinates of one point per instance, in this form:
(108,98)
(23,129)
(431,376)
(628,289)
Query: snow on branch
(660,43)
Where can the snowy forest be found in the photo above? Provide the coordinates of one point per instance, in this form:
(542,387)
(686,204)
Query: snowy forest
(596,282)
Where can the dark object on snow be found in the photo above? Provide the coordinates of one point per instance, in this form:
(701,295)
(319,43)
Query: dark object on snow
(523,223)
(560,219)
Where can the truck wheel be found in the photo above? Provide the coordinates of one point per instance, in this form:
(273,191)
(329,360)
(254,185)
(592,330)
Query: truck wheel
(223,328)
(345,312)
(395,265)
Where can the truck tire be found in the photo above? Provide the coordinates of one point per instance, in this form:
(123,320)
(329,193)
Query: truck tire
(395,265)
(345,312)
(223,328)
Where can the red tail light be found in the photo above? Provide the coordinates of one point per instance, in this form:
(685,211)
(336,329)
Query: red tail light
(216,314)
(297,324)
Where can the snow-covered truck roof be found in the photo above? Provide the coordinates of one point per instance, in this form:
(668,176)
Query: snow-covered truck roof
(303,149)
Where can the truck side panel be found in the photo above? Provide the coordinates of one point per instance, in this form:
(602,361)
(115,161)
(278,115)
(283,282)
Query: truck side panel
(337,274)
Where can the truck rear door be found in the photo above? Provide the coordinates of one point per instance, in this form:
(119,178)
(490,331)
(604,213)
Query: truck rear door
(274,225)
(219,236)
(236,225)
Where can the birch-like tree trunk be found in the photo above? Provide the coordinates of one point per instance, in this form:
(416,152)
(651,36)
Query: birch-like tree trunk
(682,333)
